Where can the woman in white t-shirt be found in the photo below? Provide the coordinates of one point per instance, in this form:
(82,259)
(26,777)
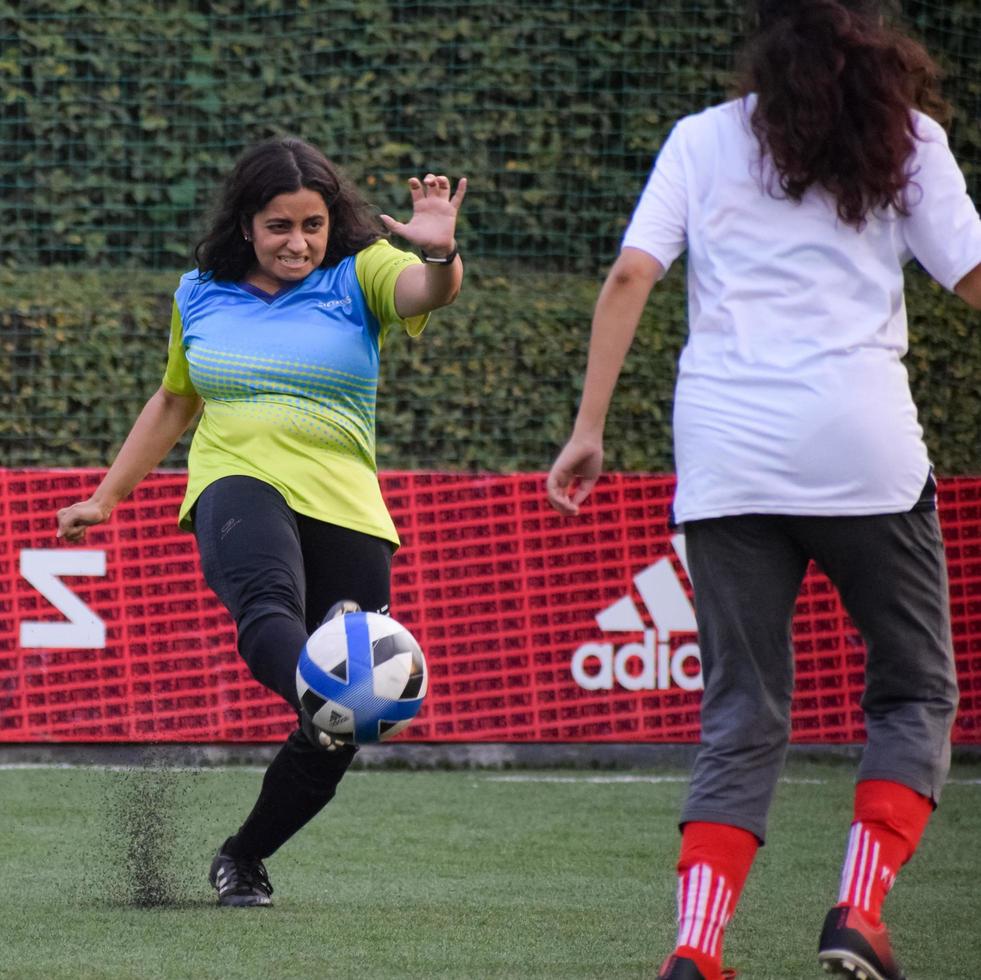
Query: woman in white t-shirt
(796,437)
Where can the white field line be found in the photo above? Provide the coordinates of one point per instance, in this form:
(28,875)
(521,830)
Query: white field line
(581,780)
(788,780)
(622,779)
(512,778)
(16,766)
(90,766)
(585,779)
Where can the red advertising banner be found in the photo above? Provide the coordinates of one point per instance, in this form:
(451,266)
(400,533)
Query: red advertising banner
(535,627)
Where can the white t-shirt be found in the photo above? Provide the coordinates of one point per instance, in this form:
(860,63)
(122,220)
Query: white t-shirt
(792,397)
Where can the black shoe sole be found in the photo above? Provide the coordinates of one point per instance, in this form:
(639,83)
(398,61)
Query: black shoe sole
(244,902)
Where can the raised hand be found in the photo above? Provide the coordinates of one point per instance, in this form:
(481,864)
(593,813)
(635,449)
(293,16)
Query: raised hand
(432,226)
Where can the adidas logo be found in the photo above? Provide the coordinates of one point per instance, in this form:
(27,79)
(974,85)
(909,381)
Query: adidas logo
(650,664)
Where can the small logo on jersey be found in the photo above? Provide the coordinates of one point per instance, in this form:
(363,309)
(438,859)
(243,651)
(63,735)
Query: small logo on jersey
(651,663)
(333,304)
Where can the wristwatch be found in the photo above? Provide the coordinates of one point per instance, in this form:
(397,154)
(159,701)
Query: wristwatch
(439,259)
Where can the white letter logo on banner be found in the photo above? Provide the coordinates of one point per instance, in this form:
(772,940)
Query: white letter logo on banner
(42,568)
(659,666)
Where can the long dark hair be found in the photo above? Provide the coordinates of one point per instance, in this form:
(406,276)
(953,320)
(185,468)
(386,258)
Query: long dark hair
(281,166)
(835,86)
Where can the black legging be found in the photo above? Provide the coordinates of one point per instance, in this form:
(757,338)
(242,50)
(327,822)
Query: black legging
(278,572)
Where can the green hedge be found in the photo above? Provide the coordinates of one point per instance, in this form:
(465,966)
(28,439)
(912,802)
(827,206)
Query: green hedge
(491,386)
(120,117)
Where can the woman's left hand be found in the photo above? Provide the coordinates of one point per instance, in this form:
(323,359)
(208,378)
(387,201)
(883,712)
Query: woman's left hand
(574,473)
(432,226)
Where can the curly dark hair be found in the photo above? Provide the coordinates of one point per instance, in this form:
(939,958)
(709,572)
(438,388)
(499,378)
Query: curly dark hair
(835,84)
(270,168)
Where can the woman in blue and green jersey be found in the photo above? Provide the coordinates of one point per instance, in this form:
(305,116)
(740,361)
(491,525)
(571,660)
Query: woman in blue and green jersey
(276,336)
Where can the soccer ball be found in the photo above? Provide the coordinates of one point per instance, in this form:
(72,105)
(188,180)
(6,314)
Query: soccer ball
(361,678)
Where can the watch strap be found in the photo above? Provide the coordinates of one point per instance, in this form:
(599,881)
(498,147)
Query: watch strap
(440,259)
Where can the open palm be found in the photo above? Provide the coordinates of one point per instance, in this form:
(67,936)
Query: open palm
(432,226)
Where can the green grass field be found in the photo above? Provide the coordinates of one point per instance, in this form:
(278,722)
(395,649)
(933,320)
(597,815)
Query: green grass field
(443,874)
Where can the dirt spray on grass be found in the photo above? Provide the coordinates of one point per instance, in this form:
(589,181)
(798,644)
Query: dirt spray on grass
(144,852)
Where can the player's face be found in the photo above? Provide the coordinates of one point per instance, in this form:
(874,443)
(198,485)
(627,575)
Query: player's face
(290,239)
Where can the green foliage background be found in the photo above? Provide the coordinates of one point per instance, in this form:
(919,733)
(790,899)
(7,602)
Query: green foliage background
(120,118)
(491,385)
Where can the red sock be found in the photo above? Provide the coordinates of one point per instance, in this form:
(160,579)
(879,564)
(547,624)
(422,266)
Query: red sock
(712,868)
(889,821)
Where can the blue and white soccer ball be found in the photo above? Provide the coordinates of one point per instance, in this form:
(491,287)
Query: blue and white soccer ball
(361,678)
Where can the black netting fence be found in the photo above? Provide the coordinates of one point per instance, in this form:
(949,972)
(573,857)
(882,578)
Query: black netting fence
(121,116)
(119,119)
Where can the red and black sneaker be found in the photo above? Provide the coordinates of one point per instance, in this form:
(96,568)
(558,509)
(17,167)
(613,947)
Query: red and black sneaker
(850,946)
(682,968)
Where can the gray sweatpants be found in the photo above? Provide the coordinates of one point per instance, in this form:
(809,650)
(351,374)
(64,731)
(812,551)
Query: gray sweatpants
(747,571)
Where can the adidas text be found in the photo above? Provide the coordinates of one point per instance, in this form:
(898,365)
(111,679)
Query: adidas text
(654,663)
(659,666)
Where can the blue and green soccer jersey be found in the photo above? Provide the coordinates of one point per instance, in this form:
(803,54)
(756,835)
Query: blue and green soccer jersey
(289,384)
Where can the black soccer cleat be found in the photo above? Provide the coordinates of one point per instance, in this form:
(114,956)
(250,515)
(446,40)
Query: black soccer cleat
(341,608)
(850,946)
(317,736)
(682,968)
(240,882)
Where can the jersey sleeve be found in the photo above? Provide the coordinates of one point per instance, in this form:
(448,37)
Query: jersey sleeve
(659,225)
(177,376)
(377,268)
(943,229)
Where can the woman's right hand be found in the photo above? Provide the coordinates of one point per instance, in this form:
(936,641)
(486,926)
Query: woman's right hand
(75,520)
